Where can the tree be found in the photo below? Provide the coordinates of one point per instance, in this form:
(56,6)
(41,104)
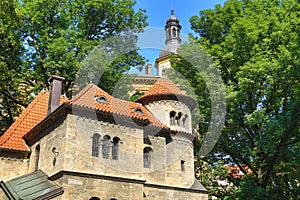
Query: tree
(10,60)
(255,45)
(45,38)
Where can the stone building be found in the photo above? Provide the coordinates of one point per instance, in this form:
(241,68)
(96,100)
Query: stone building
(95,146)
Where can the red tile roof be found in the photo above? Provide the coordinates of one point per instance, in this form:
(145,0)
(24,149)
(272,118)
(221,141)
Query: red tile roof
(91,97)
(163,86)
(235,172)
(87,98)
(30,117)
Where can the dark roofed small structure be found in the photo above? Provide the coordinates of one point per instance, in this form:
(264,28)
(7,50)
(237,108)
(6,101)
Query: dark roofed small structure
(33,186)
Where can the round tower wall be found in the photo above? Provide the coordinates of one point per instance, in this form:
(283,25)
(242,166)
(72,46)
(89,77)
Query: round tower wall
(173,114)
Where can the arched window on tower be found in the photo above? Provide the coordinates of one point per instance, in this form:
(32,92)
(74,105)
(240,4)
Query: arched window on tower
(105,146)
(185,120)
(95,145)
(178,118)
(172,118)
(115,148)
(147,157)
(174,32)
(37,157)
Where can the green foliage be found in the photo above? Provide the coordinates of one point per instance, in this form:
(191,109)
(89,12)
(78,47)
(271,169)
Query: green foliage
(209,175)
(255,45)
(10,60)
(42,38)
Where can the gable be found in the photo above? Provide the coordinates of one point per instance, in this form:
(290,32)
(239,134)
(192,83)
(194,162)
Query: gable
(30,117)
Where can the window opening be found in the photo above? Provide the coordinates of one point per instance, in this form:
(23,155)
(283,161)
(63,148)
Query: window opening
(94,198)
(172,118)
(37,157)
(147,157)
(182,165)
(184,120)
(101,99)
(115,148)
(95,145)
(174,32)
(105,146)
(139,111)
(178,118)
(169,32)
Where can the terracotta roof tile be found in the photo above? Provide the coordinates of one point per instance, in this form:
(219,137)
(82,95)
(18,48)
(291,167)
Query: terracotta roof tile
(88,98)
(91,97)
(163,86)
(30,117)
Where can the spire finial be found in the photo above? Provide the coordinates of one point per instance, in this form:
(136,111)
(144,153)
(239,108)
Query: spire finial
(91,76)
(172,10)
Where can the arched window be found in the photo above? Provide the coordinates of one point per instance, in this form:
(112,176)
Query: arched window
(174,32)
(105,146)
(37,157)
(185,120)
(94,198)
(101,99)
(115,148)
(178,118)
(113,199)
(95,145)
(147,157)
(172,118)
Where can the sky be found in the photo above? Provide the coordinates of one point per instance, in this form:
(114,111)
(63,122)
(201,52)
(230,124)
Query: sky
(158,11)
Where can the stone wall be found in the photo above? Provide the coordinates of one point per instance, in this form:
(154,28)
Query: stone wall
(80,187)
(72,140)
(12,167)
(3,195)
(171,193)
(180,163)
(78,152)
(73,143)
(156,172)
(48,161)
(161,110)
(166,162)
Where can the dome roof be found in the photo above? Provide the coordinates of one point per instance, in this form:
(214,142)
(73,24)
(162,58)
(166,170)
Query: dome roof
(165,89)
(172,20)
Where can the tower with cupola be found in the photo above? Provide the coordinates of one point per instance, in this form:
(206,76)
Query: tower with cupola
(173,41)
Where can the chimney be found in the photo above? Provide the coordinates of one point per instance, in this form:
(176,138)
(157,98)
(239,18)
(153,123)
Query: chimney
(55,93)
(148,69)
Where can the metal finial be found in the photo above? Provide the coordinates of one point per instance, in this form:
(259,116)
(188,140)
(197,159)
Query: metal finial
(91,76)
(172,10)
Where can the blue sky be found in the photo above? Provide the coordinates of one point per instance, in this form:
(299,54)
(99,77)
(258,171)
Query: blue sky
(152,40)
(159,10)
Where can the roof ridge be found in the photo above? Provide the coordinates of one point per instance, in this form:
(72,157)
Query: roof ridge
(18,121)
(85,90)
(162,86)
(82,92)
